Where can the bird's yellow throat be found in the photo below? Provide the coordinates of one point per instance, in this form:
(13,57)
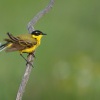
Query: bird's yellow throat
(38,38)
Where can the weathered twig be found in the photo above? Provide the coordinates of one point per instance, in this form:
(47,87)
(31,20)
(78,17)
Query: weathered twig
(38,16)
(30,57)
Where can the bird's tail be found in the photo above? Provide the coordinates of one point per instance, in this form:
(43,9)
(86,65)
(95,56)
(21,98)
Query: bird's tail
(3,46)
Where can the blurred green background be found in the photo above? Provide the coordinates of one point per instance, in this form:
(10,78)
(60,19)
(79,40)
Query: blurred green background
(67,64)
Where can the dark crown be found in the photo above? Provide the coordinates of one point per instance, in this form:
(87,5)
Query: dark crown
(37,32)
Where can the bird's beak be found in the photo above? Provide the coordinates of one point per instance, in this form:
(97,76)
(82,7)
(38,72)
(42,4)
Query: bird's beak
(44,34)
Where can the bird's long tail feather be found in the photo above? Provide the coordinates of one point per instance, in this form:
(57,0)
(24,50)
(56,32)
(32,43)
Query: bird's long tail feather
(3,46)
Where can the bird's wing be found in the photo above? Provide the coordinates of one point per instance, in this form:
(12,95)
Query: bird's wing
(21,42)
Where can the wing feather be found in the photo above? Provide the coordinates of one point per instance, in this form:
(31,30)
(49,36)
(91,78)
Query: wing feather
(21,42)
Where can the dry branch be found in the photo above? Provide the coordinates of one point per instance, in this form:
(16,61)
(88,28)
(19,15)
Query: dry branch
(30,57)
(38,16)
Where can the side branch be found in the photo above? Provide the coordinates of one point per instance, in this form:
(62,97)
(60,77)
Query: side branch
(38,16)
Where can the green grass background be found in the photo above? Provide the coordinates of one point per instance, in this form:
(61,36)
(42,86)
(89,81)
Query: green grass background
(67,64)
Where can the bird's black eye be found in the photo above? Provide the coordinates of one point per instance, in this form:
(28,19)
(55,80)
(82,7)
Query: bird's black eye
(36,32)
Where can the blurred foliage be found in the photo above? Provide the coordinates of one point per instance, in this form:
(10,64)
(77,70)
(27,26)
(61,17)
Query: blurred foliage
(67,64)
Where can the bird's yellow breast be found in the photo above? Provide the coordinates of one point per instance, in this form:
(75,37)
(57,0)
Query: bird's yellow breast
(29,50)
(32,49)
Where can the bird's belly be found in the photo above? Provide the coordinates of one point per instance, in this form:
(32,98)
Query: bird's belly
(29,50)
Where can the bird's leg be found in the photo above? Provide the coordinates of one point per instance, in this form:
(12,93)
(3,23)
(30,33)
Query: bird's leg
(32,54)
(26,60)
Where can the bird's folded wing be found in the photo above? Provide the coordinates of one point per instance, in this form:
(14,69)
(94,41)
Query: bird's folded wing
(17,43)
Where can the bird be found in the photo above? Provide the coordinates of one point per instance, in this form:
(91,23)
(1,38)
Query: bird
(24,43)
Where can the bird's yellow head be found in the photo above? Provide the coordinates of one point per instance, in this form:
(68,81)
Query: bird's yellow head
(38,35)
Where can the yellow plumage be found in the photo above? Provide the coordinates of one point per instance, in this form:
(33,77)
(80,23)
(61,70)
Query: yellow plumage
(25,43)
(34,46)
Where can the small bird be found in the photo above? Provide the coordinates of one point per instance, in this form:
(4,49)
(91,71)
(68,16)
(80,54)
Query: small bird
(25,43)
